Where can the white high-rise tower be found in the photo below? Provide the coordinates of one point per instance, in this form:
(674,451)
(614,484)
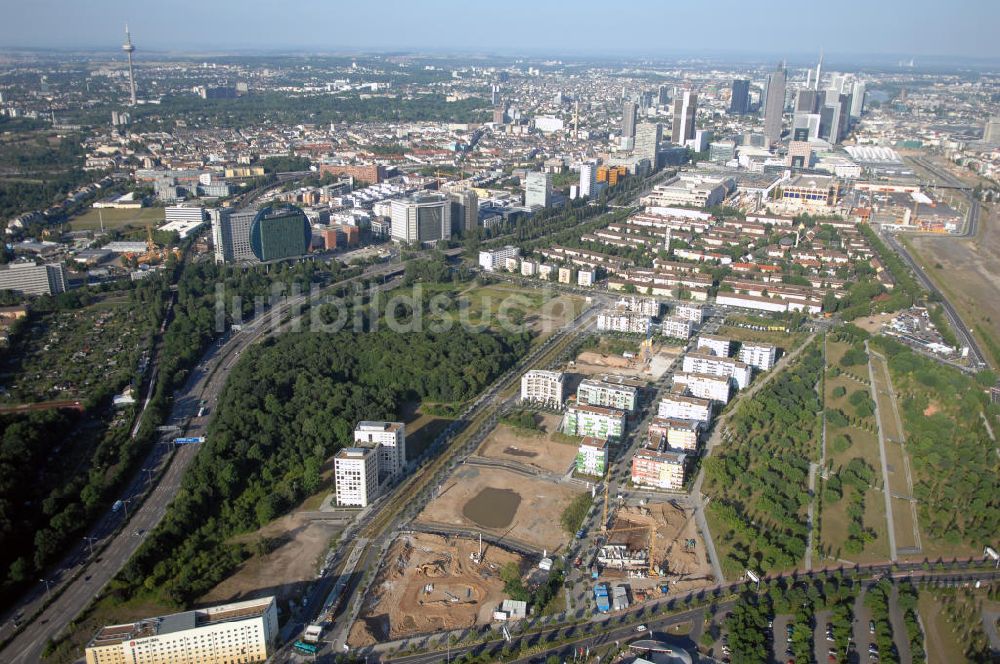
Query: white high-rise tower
(129,49)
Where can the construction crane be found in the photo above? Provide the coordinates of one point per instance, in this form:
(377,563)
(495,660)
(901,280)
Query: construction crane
(651,528)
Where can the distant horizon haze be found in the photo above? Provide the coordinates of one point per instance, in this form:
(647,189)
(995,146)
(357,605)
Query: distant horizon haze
(859,33)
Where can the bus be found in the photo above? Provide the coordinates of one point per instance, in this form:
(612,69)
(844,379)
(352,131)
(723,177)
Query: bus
(307,648)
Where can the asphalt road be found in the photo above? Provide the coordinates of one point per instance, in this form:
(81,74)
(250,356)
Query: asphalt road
(975,352)
(83,581)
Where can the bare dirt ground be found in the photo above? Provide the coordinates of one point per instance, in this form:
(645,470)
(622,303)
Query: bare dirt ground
(591,363)
(532,449)
(299,545)
(686,568)
(872,324)
(463,594)
(969,272)
(534,520)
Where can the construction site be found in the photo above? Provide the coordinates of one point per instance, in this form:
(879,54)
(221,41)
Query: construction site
(429,583)
(519,507)
(650,364)
(539,449)
(652,546)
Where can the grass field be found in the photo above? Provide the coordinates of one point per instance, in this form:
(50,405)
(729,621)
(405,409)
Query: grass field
(863,444)
(115,218)
(786,341)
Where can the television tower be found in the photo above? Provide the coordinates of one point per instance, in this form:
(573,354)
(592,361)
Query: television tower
(129,48)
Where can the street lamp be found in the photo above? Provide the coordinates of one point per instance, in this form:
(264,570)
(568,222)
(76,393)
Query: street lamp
(90,543)
(46,582)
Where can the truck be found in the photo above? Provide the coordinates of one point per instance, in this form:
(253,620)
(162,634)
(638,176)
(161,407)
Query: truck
(601,598)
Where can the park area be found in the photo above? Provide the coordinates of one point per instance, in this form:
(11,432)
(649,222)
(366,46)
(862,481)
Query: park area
(429,583)
(540,448)
(852,454)
(506,503)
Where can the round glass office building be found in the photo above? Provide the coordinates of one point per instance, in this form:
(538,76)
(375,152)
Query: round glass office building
(280,231)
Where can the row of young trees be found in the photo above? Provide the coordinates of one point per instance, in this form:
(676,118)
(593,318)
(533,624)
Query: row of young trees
(759,482)
(285,411)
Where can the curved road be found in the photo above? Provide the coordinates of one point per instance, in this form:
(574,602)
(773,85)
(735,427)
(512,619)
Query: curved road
(205,382)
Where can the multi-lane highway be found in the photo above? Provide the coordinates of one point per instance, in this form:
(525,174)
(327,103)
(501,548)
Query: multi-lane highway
(79,584)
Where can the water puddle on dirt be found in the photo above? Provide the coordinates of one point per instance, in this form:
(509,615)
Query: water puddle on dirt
(492,508)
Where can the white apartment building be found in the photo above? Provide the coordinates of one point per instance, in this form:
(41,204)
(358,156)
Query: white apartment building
(714,388)
(608,395)
(676,328)
(613,321)
(701,363)
(390,439)
(543,387)
(528,268)
(492,259)
(592,459)
(646,306)
(678,434)
(241,632)
(355,472)
(691,312)
(31,279)
(685,408)
(585,278)
(757,355)
(714,345)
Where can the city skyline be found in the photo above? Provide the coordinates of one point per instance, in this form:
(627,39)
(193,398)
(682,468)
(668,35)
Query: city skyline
(920,30)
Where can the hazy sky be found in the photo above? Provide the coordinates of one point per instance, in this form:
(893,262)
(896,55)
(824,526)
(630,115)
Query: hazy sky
(963,28)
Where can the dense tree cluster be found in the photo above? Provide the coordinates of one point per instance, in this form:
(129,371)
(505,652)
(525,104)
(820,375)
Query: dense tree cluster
(759,482)
(953,459)
(285,411)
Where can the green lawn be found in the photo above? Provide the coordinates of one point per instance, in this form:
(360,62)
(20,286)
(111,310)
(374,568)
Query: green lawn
(115,218)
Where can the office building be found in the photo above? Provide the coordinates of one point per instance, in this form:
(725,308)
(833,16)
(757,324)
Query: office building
(492,259)
(760,356)
(676,327)
(690,189)
(588,179)
(231,235)
(685,108)
(538,190)
(647,142)
(592,458)
(281,231)
(721,152)
(422,219)
(594,392)
(31,279)
(991,132)
(192,213)
(713,388)
(464,211)
(701,363)
(774,105)
(239,632)
(355,473)
(630,113)
(739,102)
(811,191)
(660,470)
(834,117)
(390,440)
(857,99)
(546,388)
(595,421)
(680,407)
(715,345)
